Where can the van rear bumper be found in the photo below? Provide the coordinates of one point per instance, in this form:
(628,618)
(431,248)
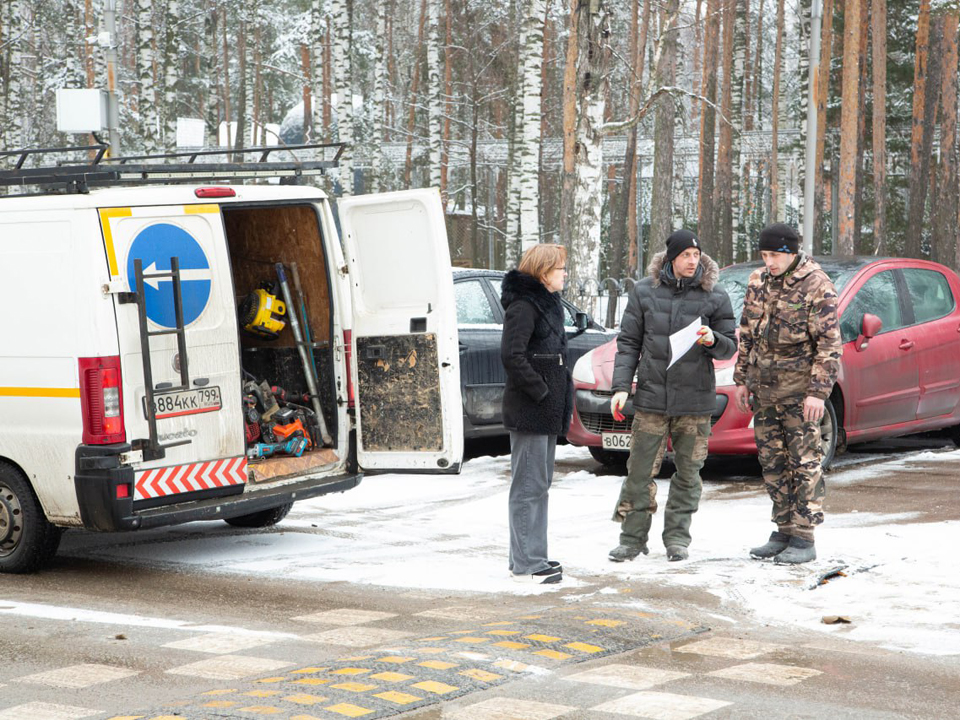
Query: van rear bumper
(99,473)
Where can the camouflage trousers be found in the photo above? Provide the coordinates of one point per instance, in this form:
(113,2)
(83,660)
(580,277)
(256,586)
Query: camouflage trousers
(638,495)
(790,455)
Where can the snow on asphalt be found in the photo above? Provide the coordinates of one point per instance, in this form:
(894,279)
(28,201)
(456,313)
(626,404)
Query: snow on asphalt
(450,533)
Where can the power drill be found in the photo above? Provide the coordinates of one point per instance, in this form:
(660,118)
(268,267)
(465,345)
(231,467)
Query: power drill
(294,446)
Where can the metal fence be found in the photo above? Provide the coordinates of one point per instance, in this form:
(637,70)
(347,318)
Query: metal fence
(605,299)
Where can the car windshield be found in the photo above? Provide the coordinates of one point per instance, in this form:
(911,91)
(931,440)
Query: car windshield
(734,280)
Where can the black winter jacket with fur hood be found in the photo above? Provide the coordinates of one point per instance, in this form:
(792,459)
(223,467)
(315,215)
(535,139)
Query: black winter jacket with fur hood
(658,306)
(538,396)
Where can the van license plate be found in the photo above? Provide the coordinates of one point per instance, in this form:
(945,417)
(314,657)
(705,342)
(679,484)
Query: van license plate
(615,441)
(186,402)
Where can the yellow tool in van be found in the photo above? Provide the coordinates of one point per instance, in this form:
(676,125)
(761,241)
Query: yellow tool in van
(260,314)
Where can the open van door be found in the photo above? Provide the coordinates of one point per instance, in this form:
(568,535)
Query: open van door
(407,382)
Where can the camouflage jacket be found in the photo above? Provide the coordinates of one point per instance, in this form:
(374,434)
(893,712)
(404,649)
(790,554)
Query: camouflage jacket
(789,335)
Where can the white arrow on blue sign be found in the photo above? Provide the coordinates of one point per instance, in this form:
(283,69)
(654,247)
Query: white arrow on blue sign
(154,246)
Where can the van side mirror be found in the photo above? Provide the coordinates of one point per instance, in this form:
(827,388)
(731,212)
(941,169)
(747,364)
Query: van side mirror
(581,321)
(870,327)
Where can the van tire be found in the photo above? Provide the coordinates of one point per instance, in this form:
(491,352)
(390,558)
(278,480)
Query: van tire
(28,541)
(264,518)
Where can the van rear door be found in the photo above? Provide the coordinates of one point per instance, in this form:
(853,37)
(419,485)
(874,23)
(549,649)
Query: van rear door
(404,332)
(206,417)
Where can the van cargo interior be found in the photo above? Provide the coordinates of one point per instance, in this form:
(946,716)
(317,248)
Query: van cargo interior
(258,238)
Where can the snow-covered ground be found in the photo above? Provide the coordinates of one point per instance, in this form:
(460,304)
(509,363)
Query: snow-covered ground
(450,533)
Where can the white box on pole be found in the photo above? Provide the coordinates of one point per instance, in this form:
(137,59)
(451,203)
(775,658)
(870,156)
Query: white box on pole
(81,111)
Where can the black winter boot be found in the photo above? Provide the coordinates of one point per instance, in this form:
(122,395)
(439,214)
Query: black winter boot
(627,552)
(798,551)
(774,546)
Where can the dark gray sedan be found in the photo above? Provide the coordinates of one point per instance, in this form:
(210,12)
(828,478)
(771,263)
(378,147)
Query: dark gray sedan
(480,324)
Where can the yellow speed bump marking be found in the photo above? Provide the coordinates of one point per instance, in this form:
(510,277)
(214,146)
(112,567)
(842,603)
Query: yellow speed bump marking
(356,658)
(312,681)
(398,697)
(309,670)
(606,623)
(501,622)
(472,640)
(503,632)
(432,686)
(127,717)
(262,693)
(395,659)
(305,699)
(391,677)
(353,687)
(437,664)
(350,671)
(349,710)
(583,647)
(510,645)
(542,638)
(220,704)
(225,691)
(553,654)
(482,675)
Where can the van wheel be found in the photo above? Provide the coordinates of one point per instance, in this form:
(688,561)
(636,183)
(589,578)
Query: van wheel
(829,432)
(264,518)
(610,458)
(27,539)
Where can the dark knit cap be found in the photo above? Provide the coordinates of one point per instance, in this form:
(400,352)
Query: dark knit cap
(779,237)
(679,241)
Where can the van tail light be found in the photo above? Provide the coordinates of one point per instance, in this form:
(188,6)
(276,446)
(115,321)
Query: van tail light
(101,400)
(348,346)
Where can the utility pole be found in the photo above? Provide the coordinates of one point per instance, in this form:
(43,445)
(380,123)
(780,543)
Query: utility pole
(809,177)
(109,43)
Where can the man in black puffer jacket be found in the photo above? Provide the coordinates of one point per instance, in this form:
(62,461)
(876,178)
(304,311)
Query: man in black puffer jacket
(676,402)
(537,401)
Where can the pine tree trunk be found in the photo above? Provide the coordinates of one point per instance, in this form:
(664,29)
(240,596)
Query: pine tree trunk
(943,242)
(568,174)
(823,89)
(529,180)
(661,198)
(226,76)
(149,119)
(243,84)
(879,69)
(918,162)
(850,110)
(861,122)
(592,82)
(633,247)
(434,109)
(774,214)
(708,122)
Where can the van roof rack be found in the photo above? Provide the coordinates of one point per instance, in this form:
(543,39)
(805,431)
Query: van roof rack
(179,167)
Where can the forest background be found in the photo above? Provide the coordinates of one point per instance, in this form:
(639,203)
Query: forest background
(598,124)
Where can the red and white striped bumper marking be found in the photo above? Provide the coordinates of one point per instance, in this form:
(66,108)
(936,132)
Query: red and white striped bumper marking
(176,479)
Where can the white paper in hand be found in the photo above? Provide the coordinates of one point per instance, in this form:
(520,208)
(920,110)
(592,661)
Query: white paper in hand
(682,340)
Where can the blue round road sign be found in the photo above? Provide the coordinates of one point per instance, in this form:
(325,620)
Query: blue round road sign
(155,245)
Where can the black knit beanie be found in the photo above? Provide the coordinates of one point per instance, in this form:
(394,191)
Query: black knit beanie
(679,241)
(779,237)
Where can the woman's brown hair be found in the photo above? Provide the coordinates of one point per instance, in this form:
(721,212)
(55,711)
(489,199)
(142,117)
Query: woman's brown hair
(541,259)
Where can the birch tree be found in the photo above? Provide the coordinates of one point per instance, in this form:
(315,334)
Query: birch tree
(147,96)
(434,108)
(340,17)
(774,213)
(171,74)
(723,194)
(592,81)
(318,27)
(529,165)
(379,69)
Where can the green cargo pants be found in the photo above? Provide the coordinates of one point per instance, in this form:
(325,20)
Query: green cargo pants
(638,495)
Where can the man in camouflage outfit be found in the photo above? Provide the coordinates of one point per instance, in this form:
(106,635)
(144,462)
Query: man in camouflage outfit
(789,359)
(672,400)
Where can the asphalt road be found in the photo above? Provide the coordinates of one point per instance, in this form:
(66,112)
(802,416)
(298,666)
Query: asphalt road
(111,637)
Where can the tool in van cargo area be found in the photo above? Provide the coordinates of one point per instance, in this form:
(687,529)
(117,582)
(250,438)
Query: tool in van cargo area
(301,298)
(294,447)
(260,312)
(308,368)
(284,432)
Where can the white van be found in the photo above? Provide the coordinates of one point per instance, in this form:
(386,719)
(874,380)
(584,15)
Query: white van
(85,442)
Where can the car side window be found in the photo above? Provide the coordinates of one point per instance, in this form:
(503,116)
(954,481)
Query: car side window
(929,293)
(877,296)
(473,307)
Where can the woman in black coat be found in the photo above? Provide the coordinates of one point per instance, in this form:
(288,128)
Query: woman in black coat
(537,401)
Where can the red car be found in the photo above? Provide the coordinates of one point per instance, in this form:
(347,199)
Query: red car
(900,371)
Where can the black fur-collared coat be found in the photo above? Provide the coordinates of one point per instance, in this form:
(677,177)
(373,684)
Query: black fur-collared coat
(538,396)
